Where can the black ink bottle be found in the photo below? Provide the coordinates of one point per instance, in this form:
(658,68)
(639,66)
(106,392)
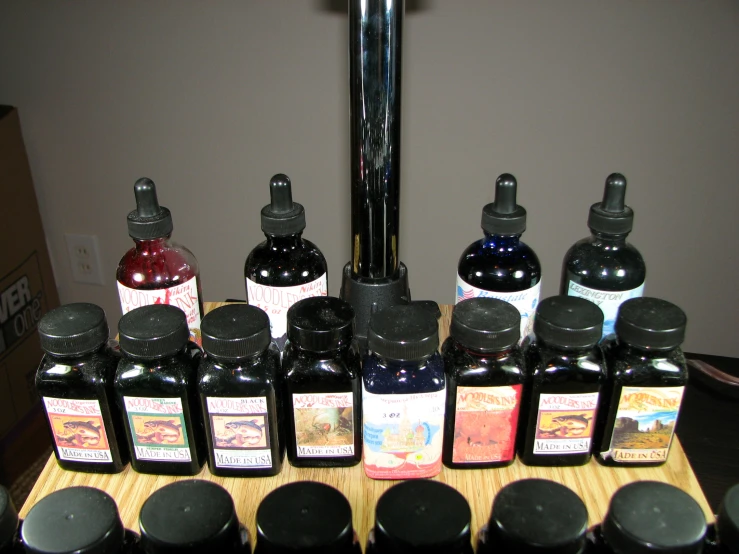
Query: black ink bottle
(565,373)
(323,392)
(9,525)
(240,393)
(724,534)
(156,388)
(75,381)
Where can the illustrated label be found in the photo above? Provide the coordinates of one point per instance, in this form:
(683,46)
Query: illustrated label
(324,424)
(403,434)
(525,301)
(645,424)
(277,300)
(184,296)
(485,424)
(565,423)
(157,429)
(607,301)
(78,430)
(240,430)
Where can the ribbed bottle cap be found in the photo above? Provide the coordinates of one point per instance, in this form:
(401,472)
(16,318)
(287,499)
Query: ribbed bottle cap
(77,520)
(306,518)
(403,333)
(651,323)
(282,216)
(568,322)
(320,323)
(8,518)
(612,216)
(149,220)
(189,516)
(486,324)
(153,331)
(235,331)
(647,517)
(727,520)
(73,329)
(504,216)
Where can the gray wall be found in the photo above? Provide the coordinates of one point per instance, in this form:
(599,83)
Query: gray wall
(210,99)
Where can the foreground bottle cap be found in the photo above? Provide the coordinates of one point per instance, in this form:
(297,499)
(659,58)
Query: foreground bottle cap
(568,322)
(651,323)
(282,216)
(320,323)
(486,324)
(504,216)
(612,216)
(727,520)
(8,518)
(73,329)
(403,333)
(236,331)
(153,331)
(149,220)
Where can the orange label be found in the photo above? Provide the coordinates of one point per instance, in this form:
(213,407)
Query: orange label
(78,430)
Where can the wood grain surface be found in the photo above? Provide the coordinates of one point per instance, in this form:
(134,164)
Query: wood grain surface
(594,483)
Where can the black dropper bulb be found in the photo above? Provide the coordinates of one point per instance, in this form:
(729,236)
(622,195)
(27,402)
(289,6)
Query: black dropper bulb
(612,216)
(147,204)
(282,216)
(149,220)
(281,194)
(614,195)
(503,216)
(505,194)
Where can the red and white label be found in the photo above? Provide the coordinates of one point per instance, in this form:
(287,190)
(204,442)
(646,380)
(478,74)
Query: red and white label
(78,430)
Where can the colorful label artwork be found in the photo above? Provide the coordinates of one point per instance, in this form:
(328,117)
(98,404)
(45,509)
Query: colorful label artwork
(78,429)
(324,424)
(157,429)
(565,423)
(607,301)
(240,430)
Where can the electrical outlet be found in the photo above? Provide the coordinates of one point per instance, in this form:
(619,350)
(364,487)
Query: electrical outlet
(84,255)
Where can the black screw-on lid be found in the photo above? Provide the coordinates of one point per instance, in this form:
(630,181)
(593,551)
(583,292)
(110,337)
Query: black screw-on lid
(282,216)
(305,517)
(189,516)
(612,216)
(504,216)
(149,220)
(568,322)
(8,518)
(422,516)
(651,323)
(73,329)
(79,520)
(537,516)
(235,331)
(727,520)
(647,517)
(153,331)
(486,324)
(403,333)
(320,323)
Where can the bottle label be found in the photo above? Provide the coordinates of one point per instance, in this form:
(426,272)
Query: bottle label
(184,296)
(403,434)
(324,424)
(240,430)
(565,423)
(158,429)
(525,301)
(607,301)
(78,430)
(485,424)
(645,424)
(277,300)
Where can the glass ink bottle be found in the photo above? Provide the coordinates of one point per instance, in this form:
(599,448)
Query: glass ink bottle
(75,381)
(305,517)
(404,395)
(421,517)
(77,520)
(321,369)
(500,265)
(240,393)
(647,377)
(157,270)
(9,525)
(286,267)
(192,516)
(724,534)
(565,372)
(535,515)
(156,388)
(603,267)
(485,376)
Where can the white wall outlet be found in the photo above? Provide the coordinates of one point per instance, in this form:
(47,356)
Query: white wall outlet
(84,255)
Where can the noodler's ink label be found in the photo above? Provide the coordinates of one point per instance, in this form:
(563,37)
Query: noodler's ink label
(78,430)
(240,430)
(157,427)
(607,301)
(324,424)
(565,423)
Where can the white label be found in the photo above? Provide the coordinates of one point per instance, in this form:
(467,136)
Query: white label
(184,296)
(78,429)
(607,301)
(565,423)
(277,300)
(324,424)
(240,431)
(157,427)
(525,301)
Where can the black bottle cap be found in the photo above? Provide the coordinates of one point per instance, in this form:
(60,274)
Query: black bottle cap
(403,333)
(189,516)
(153,331)
(235,331)
(612,216)
(422,516)
(486,324)
(537,516)
(504,216)
(79,520)
(282,216)
(651,323)
(149,220)
(647,516)
(727,520)
(73,329)
(305,517)
(320,323)
(8,518)
(568,322)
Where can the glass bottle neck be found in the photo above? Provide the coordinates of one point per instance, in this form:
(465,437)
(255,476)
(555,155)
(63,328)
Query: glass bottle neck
(609,239)
(153,245)
(503,242)
(284,241)
(499,355)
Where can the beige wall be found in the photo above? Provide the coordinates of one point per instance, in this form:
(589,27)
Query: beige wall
(210,99)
